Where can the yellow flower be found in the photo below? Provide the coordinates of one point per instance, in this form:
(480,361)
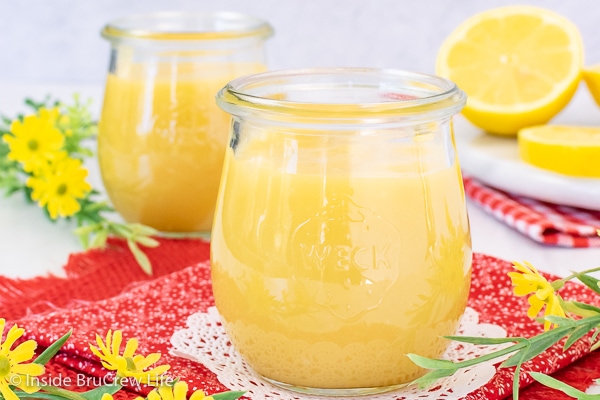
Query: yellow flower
(176,392)
(108,396)
(127,365)
(59,185)
(35,140)
(12,370)
(529,281)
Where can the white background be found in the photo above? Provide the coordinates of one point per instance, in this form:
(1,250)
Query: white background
(58,40)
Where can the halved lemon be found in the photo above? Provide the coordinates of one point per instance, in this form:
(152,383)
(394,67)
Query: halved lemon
(518,65)
(568,150)
(591,76)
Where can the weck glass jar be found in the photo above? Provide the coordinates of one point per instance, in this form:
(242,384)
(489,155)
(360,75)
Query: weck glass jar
(341,240)
(161,136)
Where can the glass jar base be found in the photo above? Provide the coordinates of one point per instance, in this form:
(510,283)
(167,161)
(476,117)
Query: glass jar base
(347,392)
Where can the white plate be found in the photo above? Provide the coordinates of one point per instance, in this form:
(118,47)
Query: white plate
(494,160)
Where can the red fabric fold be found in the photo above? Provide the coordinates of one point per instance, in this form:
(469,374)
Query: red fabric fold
(544,222)
(95,275)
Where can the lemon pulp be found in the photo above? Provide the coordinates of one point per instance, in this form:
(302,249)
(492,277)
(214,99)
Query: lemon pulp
(519,65)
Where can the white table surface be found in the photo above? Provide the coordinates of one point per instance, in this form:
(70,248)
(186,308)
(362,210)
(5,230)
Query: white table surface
(30,245)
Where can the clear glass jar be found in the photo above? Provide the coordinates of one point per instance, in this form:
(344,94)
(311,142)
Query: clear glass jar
(161,136)
(341,240)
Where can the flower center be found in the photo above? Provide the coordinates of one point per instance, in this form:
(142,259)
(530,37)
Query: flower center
(61,189)
(4,366)
(33,145)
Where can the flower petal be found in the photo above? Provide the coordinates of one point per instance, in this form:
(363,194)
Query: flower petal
(6,392)
(166,392)
(147,361)
(536,306)
(11,337)
(153,395)
(116,344)
(198,395)
(24,351)
(31,369)
(180,390)
(130,347)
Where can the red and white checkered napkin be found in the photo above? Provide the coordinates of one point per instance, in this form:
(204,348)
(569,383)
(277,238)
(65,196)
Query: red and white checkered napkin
(543,222)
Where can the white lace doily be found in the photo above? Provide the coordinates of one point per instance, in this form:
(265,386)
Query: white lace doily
(205,341)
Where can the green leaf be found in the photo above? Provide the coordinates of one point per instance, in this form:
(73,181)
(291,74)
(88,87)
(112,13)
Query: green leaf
(431,363)
(588,281)
(143,230)
(228,395)
(432,377)
(140,257)
(99,240)
(538,344)
(52,349)
(588,307)
(120,230)
(147,241)
(517,374)
(578,334)
(484,340)
(96,394)
(563,387)
(38,395)
(561,321)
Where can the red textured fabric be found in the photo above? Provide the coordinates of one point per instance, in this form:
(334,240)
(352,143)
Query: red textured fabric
(543,222)
(95,275)
(152,308)
(580,375)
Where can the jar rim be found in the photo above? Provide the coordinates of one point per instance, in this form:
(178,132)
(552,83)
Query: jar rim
(176,25)
(396,95)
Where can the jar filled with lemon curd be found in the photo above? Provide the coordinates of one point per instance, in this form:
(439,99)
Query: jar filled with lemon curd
(341,241)
(161,136)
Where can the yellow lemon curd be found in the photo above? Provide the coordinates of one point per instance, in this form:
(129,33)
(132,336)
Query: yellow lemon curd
(333,261)
(162,140)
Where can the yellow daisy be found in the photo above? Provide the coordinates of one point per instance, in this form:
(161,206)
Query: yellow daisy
(529,281)
(176,392)
(35,140)
(13,372)
(127,365)
(59,185)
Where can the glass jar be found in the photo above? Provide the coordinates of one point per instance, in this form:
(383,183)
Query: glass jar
(161,136)
(341,240)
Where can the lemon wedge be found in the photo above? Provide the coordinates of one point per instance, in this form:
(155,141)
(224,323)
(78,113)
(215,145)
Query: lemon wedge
(568,150)
(591,76)
(519,65)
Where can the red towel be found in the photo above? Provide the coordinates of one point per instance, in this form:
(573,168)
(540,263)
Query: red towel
(544,222)
(151,309)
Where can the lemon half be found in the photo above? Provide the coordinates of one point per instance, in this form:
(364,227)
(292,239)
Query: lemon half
(568,150)
(519,65)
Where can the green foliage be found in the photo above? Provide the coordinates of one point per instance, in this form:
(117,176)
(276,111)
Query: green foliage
(93,226)
(523,349)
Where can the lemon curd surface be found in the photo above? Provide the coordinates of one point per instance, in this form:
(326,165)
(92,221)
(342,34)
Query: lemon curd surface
(162,140)
(329,265)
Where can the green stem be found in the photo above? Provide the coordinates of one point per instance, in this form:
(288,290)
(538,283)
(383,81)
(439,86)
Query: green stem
(491,356)
(67,394)
(584,272)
